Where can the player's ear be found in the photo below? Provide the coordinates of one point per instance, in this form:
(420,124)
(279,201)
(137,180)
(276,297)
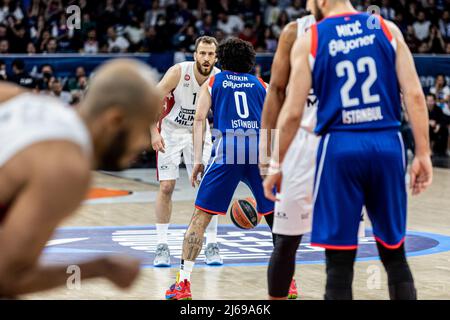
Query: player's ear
(114,117)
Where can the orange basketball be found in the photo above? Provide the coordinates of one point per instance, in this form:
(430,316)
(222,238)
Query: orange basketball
(244,214)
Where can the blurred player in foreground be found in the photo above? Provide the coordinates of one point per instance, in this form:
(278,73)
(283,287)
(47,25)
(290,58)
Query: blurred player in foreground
(47,152)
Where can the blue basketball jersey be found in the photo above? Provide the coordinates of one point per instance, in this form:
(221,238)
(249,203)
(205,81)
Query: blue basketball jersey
(354,74)
(237,101)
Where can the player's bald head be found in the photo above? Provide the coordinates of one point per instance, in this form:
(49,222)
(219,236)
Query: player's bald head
(126,84)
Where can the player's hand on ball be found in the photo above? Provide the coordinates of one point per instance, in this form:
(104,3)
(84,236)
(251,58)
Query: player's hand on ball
(421,173)
(122,271)
(198,169)
(158,143)
(271,182)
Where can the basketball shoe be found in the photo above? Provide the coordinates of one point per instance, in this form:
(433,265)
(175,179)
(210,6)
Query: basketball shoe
(179,291)
(162,256)
(212,255)
(293,292)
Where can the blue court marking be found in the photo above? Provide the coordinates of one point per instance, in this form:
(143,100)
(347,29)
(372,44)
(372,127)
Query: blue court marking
(238,247)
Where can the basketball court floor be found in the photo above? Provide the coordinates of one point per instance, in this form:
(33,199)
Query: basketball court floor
(118,218)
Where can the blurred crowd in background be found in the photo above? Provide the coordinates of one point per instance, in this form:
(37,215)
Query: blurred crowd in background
(119,26)
(40,26)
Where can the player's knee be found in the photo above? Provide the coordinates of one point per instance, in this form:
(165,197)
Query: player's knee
(394,261)
(286,246)
(339,274)
(167,187)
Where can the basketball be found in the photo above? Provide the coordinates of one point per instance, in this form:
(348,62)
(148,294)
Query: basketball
(244,214)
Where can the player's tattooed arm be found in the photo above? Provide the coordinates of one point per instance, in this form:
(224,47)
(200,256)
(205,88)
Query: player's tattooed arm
(193,239)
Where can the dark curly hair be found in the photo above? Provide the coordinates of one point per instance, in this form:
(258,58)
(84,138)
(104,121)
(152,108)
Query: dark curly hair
(236,55)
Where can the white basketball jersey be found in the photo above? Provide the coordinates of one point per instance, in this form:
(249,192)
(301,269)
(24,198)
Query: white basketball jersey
(29,118)
(180,104)
(309,119)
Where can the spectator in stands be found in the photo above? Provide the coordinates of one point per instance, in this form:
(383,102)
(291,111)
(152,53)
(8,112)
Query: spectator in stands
(116,43)
(438,127)
(444,24)
(248,34)
(399,20)
(19,38)
(20,76)
(151,16)
(295,10)
(447,50)
(134,33)
(31,49)
(57,91)
(52,46)
(422,26)
(250,12)
(206,26)
(62,35)
(4,46)
(73,83)
(283,20)
(186,40)
(230,24)
(411,40)
(267,42)
(386,10)
(46,73)
(436,42)
(91,44)
(441,91)
(3,75)
(271,13)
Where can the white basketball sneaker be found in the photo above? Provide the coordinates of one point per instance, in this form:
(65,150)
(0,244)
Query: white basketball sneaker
(212,255)
(162,256)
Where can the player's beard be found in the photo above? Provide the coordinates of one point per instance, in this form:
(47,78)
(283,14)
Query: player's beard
(110,159)
(318,14)
(202,70)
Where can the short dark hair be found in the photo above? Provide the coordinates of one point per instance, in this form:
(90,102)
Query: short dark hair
(236,55)
(19,64)
(206,39)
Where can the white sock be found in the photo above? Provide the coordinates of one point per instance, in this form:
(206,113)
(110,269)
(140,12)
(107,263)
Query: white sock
(186,268)
(211,230)
(161,232)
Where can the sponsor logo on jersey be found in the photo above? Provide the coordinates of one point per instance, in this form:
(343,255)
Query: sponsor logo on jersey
(185,117)
(187,77)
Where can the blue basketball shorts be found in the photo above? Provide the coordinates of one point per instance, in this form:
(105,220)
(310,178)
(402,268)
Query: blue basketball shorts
(356,169)
(220,182)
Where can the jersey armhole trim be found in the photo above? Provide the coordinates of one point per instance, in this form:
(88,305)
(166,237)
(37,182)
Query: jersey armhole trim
(314,40)
(388,33)
(210,84)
